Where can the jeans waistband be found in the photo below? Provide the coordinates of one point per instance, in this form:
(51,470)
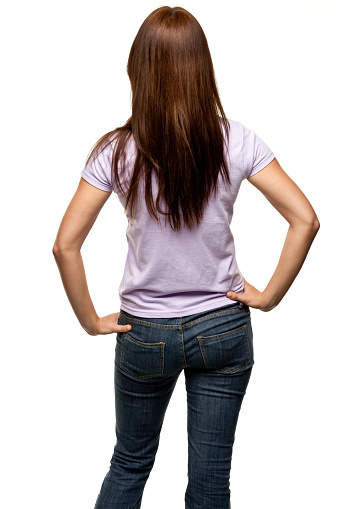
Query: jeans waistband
(185,321)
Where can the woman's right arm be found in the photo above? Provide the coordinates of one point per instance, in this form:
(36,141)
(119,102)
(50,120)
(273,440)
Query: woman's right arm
(286,197)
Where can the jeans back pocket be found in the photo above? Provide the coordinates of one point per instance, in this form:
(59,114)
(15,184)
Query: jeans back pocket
(228,351)
(141,360)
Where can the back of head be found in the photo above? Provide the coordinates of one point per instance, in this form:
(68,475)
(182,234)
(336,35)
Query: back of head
(170,68)
(178,123)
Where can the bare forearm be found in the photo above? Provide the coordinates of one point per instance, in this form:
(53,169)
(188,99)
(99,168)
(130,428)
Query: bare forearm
(297,244)
(73,277)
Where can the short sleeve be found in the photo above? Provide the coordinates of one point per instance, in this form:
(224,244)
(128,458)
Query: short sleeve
(98,170)
(256,154)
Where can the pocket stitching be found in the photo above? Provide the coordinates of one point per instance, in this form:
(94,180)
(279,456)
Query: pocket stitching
(138,342)
(159,345)
(202,339)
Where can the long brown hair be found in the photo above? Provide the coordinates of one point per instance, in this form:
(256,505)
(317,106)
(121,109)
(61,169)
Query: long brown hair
(178,123)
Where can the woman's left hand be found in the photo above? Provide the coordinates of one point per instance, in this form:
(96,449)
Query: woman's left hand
(252,297)
(108,325)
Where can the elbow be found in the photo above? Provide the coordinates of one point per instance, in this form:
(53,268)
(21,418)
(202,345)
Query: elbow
(310,221)
(63,250)
(315,224)
(311,225)
(55,250)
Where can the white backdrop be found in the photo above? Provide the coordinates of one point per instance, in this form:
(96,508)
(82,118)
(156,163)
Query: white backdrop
(64,85)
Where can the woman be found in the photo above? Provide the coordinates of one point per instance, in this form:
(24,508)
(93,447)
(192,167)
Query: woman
(176,166)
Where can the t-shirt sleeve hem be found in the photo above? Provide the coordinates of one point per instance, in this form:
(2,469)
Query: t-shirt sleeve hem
(262,164)
(95,183)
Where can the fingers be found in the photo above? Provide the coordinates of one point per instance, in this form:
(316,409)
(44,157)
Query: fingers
(232,295)
(125,328)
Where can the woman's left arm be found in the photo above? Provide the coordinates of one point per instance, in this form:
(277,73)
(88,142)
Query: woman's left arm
(77,222)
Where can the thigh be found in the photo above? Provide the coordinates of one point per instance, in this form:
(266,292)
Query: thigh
(142,388)
(214,400)
(214,397)
(224,342)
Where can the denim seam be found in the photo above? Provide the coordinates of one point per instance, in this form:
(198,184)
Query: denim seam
(248,346)
(181,343)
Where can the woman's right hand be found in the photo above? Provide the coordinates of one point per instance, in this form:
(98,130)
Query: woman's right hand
(252,297)
(108,325)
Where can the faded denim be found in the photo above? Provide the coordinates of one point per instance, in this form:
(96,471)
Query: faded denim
(215,350)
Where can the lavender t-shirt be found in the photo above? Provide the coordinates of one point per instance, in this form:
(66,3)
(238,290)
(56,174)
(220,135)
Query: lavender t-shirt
(173,274)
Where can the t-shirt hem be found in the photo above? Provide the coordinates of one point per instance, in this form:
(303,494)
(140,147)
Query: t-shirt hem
(218,303)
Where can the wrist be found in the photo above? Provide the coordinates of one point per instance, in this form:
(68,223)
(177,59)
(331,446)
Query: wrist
(92,328)
(268,300)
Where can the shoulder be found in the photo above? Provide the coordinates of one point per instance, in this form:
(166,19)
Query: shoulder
(237,132)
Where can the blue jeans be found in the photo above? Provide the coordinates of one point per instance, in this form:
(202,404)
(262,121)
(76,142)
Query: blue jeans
(215,350)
